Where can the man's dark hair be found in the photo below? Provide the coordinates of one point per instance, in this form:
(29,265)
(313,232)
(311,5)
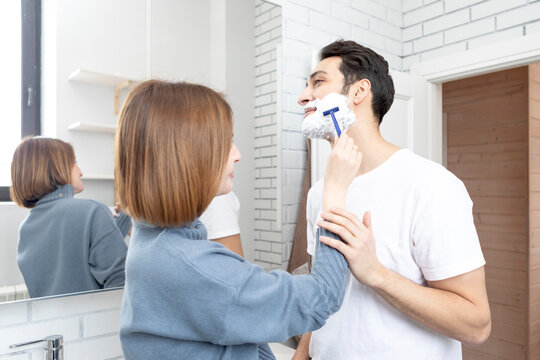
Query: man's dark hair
(359,62)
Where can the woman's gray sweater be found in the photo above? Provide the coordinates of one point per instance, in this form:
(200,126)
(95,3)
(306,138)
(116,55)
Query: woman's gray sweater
(69,245)
(190,298)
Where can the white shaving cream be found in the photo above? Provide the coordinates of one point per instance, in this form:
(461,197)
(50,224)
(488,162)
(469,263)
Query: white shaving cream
(318,126)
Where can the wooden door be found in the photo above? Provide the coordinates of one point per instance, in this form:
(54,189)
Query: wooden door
(487,139)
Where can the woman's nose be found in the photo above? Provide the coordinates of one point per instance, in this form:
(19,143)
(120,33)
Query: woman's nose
(236,154)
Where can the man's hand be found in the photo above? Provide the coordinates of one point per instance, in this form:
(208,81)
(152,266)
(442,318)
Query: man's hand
(358,246)
(456,307)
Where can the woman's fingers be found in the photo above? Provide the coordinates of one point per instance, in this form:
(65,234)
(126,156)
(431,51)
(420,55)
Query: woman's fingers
(341,142)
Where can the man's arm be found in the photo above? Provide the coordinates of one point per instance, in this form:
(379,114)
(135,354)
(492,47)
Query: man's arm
(456,307)
(232,243)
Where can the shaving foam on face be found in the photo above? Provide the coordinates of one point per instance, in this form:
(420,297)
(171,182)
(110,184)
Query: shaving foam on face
(318,126)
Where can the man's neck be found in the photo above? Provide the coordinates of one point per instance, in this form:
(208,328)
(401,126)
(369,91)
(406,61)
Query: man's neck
(374,148)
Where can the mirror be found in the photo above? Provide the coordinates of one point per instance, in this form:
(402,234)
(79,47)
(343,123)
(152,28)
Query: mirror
(93,51)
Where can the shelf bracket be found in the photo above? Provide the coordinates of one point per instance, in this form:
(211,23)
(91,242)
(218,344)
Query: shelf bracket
(117,90)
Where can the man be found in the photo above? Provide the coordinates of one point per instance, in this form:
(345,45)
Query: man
(418,284)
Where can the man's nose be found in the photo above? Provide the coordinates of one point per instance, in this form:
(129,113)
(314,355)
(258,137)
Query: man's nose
(305,97)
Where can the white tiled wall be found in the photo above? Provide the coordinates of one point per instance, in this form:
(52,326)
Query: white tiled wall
(432,29)
(88,323)
(267,39)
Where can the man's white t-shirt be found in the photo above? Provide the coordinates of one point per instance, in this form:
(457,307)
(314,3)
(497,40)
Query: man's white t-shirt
(424,230)
(221,217)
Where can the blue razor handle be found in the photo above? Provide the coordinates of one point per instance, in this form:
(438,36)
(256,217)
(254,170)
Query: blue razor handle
(331,113)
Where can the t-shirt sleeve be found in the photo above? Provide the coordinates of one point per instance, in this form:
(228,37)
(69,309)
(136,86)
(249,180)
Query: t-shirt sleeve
(221,217)
(445,242)
(310,223)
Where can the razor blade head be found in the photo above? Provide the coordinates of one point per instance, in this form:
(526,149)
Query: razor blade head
(328,112)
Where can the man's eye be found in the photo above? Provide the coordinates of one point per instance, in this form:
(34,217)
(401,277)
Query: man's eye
(316,82)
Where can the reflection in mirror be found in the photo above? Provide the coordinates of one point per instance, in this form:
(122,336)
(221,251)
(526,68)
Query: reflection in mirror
(66,245)
(94,51)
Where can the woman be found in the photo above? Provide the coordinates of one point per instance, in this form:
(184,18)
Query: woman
(187,297)
(66,245)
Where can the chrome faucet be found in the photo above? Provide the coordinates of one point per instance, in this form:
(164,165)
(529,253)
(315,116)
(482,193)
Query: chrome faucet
(54,346)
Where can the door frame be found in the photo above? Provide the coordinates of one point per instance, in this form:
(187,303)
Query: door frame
(430,75)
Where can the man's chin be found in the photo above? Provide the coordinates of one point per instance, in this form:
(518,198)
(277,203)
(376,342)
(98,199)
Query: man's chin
(317,127)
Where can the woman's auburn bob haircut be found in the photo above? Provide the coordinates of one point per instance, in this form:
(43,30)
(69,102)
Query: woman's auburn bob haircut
(39,166)
(171,148)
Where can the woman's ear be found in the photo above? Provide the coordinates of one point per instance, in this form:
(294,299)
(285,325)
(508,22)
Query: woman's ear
(360,90)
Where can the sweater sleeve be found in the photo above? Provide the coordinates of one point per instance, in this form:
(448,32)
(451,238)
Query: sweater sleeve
(123,221)
(274,306)
(107,250)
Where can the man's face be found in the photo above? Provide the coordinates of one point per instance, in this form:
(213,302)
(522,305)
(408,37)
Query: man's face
(326,78)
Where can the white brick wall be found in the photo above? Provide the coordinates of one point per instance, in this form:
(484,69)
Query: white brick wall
(423,14)
(454,19)
(493,7)
(268,27)
(88,323)
(433,29)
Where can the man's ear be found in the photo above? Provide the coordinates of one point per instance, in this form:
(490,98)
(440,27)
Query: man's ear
(360,90)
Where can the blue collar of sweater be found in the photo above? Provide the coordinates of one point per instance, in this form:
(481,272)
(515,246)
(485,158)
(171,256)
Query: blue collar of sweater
(61,192)
(194,230)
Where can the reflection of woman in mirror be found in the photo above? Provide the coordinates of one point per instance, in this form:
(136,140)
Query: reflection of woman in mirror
(187,297)
(66,245)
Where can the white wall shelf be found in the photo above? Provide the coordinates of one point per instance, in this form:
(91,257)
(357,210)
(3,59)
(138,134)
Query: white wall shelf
(93,77)
(116,81)
(93,127)
(98,177)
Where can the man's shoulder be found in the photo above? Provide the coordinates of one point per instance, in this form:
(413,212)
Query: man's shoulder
(419,163)
(426,173)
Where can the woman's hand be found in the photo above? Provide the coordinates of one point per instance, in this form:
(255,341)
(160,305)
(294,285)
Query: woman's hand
(341,168)
(358,246)
(117,208)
